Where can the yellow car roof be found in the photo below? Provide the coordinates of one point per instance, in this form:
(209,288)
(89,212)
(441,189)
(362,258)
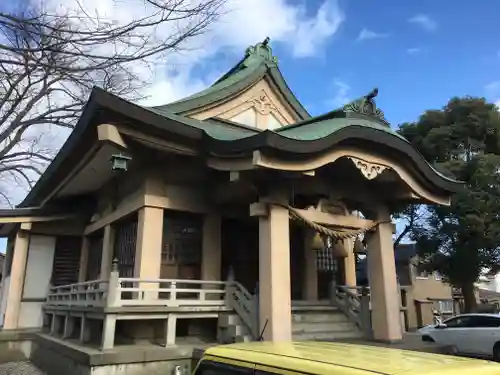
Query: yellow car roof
(319,358)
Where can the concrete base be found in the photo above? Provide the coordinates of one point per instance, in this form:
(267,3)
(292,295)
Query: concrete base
(57,357)
(16,345)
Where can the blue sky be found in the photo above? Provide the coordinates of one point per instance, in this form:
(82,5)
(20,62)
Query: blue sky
(418,53)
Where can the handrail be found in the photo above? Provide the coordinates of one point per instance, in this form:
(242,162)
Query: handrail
(350,303)
(243,303)
(166,292)
(130,291)
(89,293)
(356,305)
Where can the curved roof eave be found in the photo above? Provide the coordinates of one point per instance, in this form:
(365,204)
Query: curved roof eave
(102,100)
(273,140)
(169,124)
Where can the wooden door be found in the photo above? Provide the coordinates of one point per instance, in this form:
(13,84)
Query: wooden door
(240,251)
(182,247)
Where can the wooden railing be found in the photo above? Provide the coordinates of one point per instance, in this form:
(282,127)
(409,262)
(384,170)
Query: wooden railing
(88,294)
(167,292)
(244,304)
(355,304)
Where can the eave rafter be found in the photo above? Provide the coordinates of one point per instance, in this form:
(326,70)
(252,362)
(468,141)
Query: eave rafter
(370,166)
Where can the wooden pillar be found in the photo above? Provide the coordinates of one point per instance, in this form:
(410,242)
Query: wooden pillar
(211,248)
(69,326)
(17,276)
(108,332)
(383,284)
(310,287)
(170,329)
(84,260)
(274,274)
(148,249)
(8,254)
(108,242)
(149,243)
(350,264)
(85,331)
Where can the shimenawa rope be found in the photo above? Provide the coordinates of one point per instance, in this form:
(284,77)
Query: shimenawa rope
(338,235)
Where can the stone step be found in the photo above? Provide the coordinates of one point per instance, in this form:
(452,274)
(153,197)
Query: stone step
(226,320)
(300,328)
(311,303)
(328,335)
(308,308)
(319,317)
(242,338)
(237,330)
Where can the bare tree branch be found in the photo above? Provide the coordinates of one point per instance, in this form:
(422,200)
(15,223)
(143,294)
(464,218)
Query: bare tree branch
(412,215)
(50,60)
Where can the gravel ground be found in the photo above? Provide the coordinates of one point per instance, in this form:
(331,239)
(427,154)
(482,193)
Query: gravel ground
(20,368)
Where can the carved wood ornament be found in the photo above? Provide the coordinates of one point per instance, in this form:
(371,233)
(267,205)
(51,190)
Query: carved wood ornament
(263,104)
(369,170)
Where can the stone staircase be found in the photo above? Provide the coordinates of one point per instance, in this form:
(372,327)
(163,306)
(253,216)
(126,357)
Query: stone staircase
(311,321)
(231,329)
(320,321)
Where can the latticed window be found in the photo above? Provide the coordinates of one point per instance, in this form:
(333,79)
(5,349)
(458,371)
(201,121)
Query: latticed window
(124,246)
(66,262)
(182,238)
(325,258)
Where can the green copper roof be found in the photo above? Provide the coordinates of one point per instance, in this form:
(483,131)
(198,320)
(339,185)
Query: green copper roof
(257,62)
(361,112)
(214,127)
(323,128)
(359,121)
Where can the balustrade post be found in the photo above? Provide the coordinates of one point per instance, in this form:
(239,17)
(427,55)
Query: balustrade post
(84,330)
(333,291)
(365,313)
(69,326)
(173,291)
(108,332)
(229,286)
(114,292)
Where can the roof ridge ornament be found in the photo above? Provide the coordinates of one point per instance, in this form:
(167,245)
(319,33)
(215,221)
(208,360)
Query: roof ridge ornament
(261,50)
(366,106)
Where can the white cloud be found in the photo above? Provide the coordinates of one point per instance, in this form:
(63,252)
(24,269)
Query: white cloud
(492,88)
(303,32)
(366,34)
(342,95)
(424,21)
(242,23)
(414,51)
(313,32)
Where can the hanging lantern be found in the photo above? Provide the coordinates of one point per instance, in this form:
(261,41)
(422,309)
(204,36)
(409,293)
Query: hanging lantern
(119,162)
(358,247)
(317,242)
(339,250)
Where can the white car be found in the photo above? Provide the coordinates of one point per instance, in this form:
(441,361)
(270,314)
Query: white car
(469,334)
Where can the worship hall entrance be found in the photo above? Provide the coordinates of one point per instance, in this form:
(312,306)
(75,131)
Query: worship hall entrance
(240,255)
